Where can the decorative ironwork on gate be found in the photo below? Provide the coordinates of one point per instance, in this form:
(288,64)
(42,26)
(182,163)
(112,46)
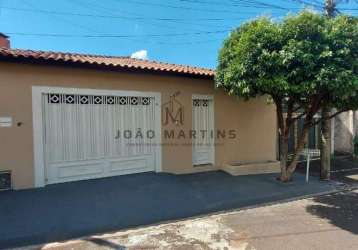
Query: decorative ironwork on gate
(92,99)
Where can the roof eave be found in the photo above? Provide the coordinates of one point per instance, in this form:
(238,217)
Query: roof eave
(87,65)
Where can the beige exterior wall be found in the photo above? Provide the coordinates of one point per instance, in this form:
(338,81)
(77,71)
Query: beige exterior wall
(254,121)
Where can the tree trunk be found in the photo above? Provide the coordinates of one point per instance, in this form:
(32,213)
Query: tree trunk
(284,158)
(288,169)
(326,145)
(300,146)
(355,131)
(355,123)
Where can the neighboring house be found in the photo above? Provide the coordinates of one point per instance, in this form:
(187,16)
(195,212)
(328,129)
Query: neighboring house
(314,139)
(346,129)
(68,117)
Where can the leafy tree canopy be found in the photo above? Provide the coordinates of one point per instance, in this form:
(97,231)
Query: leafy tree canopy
(302,56)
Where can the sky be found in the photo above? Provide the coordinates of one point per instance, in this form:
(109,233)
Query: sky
(187,32)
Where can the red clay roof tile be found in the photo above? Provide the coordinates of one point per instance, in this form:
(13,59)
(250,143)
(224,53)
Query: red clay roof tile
(105,61)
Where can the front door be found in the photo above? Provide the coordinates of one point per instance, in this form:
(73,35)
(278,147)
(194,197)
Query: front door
(203,126)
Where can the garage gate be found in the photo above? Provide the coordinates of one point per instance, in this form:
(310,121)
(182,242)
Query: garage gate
(90,134)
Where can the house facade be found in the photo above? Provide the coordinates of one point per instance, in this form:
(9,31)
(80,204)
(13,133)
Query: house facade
(69,117)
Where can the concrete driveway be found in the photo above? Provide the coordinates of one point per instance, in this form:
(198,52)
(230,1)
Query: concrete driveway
(65,211)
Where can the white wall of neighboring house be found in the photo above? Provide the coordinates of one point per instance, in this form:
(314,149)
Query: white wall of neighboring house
(346,128)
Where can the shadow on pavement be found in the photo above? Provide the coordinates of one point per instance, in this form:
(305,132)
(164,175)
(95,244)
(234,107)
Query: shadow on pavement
(340,209)
(104,243)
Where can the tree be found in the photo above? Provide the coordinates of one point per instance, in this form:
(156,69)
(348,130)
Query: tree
(303,63)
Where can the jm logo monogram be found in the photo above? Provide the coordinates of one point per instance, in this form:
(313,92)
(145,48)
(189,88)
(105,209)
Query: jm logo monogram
(173,111)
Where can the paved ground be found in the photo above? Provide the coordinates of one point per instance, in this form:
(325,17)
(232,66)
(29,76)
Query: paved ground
(325,222)
(61,212)
(344,169)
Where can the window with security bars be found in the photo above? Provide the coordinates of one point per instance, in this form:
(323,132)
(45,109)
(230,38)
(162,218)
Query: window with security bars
(200,103)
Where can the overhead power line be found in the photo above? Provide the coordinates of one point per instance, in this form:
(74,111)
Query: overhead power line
(65,20)
(312,3)
(121,17)
(321,5)
(177,43)
(110,11)
(184,7)
(263,5)
(116,36)
(242,4)
(157,22)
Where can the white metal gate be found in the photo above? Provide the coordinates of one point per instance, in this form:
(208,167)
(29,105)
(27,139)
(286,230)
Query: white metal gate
(203,125)
(97,135)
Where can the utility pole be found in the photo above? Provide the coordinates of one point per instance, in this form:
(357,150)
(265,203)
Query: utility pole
(330,8)
(326,129)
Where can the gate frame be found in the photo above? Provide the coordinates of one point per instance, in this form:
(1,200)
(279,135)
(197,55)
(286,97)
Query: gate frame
(38,120)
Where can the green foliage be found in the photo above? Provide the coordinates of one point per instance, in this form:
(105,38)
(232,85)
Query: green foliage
(356,145)
(303,57)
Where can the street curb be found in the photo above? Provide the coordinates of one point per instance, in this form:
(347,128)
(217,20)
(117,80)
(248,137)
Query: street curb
(222,212)
(302,197)
(267,204)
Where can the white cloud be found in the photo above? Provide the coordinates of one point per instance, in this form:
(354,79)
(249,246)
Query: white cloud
(141,54)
